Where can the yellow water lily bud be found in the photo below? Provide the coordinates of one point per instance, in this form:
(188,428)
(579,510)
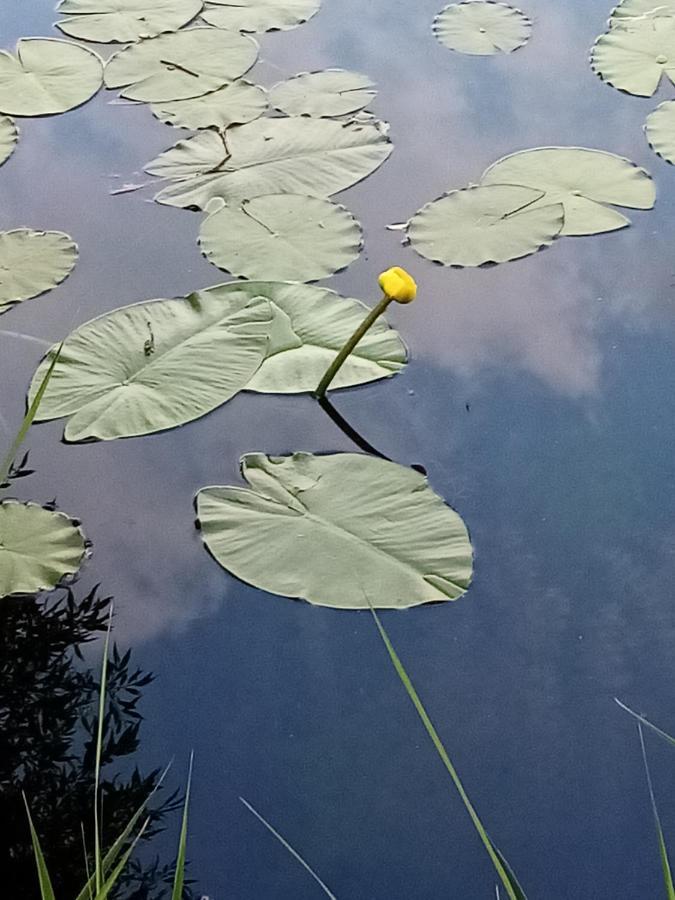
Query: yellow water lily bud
(398,285)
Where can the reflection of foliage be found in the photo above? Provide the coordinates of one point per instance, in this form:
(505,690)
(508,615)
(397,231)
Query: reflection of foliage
(48,700)
(18,470)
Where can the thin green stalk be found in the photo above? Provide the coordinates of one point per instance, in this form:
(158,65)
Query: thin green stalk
(288,847)
(111,880)
(46,889)
(646,722)
(360,332)
(98,869)
(512,890)
(28,419)
(663,850)
(179,875)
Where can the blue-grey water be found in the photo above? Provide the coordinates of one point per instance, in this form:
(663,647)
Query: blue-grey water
(563,467)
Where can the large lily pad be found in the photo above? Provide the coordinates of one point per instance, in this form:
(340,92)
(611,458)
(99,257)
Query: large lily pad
(38,548)
(330,93)
(154,365)
(9,135)
(482,27)
(234,104)
(484,224)
(636,54)
(124,21)
(47,76)
(32,262)
(309,326)
(259,15)
(345,531)
(648,8)
(585,181)
(180,66)
(660,130)
(294,155)
(284,237)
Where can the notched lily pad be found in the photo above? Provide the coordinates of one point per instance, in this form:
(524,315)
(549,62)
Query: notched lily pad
(259,15)
(329,93)
(343,530)
(234,104)
(124,21)
(9,135)
(635,54)
(38,548)
(660,130)
(482,27)
(643,8)
(33,262)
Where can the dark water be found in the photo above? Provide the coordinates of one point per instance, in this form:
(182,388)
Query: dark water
(563,468)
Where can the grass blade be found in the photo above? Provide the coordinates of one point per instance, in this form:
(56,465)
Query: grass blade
(179,876)
(511,875)
(514,893)
(663,850)
(288,847)
(98,869)
(28,419)
(646,722)
(111,880)
(46,889)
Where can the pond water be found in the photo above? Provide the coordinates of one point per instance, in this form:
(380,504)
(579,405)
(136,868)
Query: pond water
(539,398)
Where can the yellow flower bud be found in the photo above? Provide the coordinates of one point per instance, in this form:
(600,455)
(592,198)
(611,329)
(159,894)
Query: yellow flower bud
(398,285)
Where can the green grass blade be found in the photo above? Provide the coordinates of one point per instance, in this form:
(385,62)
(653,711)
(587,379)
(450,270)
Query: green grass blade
(112,879)
(294,853)
(663,850)
(646,722)
(494,855)
(28,418)
(179,876)
(98,869)
(511,875)
(46,889)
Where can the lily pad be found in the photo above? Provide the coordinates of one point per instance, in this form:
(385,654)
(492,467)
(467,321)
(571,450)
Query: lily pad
(9,135)
(585,181)
(234,104)
(648,8)
(344,530)
(259,15)
(124,21)
(294,155)
(309,326)
(154,365)
(482,27)
(484,224)
(330,93)
(32,262)
(47,77)
(180,66)
(636,54)
(660,130)
(283,237)
(38,548)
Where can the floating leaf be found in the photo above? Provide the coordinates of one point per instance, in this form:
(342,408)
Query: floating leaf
(155,365)
(47,76)
(582,180)
(124,21)
(38,548)
(9,135)
(259,15)
(310,325)
(180,66)
(296,155)
(484,224)
(635,54)
(32,262)
(344,530)
(333,92)
(234,104)
(482,27)
(648,8)
(660,130)
(284,237)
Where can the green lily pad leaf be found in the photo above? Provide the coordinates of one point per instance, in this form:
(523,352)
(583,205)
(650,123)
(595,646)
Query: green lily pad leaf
(180,66)
(584,181)
(124,21)
(660,130)
(154,365)
(309,326)
(259,15)
(9,135)
(294,155)
(330,93)
(234,104)
(38,548)
(47,77)
(32,262)
(484,224)
(639,8)
(281,237)
(344,530)
(635,54)
(482,27)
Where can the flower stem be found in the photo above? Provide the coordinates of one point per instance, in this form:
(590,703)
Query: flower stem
(339,360)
